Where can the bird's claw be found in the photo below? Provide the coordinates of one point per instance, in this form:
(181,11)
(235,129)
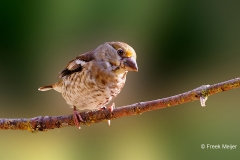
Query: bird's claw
(111,109)
(77,117)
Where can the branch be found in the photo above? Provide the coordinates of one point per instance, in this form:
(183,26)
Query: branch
(44,123)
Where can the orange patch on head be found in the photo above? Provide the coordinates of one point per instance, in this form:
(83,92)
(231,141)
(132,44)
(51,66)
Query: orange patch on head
(129,53)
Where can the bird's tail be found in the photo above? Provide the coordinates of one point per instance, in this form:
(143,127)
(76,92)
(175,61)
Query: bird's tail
(45,88)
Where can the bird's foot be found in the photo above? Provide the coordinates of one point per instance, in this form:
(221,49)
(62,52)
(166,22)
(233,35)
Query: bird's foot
(77,117)
(111,107)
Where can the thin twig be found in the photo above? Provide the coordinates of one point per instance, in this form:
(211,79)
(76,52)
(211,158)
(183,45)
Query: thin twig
(44,123)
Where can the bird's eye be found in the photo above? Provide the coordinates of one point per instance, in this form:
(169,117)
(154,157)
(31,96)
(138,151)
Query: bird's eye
(120,52)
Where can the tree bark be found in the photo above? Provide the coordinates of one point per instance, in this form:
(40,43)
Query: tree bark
(44,123)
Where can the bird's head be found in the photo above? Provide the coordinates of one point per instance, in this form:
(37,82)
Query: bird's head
(120,55)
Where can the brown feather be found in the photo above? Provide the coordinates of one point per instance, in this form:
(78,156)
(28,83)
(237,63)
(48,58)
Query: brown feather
(73,67)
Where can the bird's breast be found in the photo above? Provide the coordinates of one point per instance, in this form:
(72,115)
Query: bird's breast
(92,89)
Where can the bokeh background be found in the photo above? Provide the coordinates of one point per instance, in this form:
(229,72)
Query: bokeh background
(180,45)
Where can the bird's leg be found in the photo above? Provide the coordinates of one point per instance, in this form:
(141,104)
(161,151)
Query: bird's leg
(111,107)
(77,116)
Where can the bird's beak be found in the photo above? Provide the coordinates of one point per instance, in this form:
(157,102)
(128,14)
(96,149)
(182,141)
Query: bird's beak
(130,64)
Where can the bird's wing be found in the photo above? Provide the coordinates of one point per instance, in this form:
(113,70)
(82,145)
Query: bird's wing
(76,65)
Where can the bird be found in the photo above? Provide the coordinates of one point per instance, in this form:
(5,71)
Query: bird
(93,79)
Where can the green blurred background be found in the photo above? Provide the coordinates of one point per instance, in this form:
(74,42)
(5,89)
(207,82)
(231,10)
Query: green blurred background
(180,45)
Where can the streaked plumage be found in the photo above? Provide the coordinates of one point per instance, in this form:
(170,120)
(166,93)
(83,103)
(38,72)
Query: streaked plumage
(93,79)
